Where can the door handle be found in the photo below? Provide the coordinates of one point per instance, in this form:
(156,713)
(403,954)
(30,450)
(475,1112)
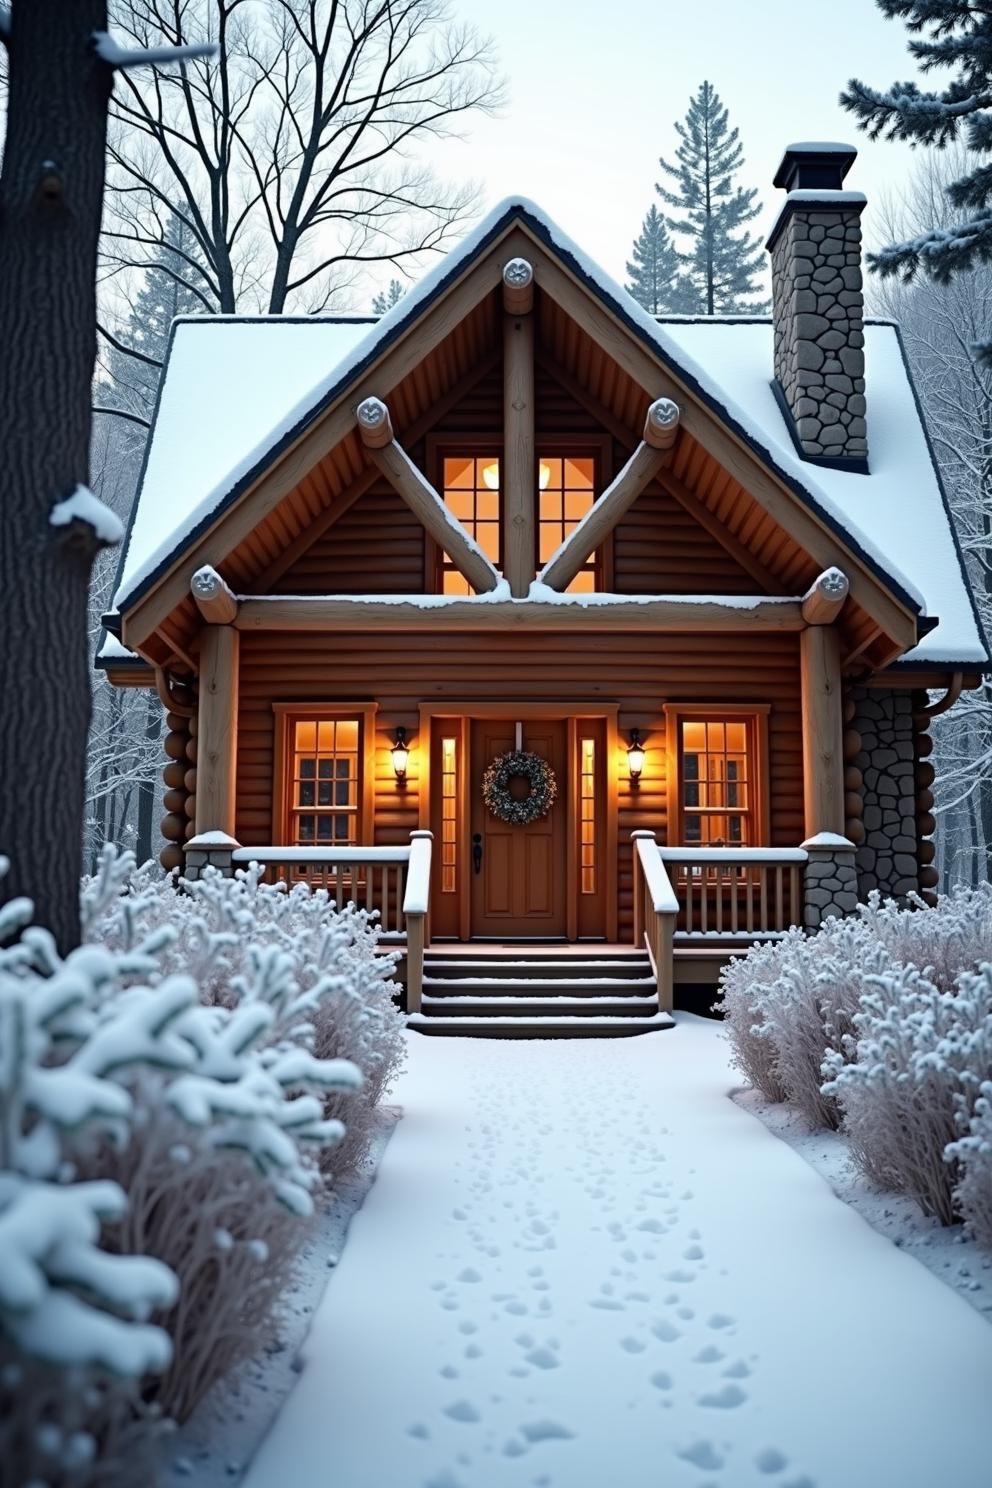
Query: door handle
(477,851)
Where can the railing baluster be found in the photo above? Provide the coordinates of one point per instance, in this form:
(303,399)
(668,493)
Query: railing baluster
(687,875)
(794,895)
(734,890)
(779,908)
(763,871)
(718,876)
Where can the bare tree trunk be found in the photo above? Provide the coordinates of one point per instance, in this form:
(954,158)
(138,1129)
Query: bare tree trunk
(51,192)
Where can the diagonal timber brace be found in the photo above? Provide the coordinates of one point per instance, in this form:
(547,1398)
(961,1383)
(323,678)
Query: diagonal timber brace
(376,429)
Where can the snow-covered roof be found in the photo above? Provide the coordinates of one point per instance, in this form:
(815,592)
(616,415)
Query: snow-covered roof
(235,390)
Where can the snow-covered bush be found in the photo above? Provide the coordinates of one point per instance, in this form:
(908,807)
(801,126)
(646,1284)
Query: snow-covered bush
(920,1056)
(168,1093)
(247,941)
(883,1024)
(973,1155)
(788,1001)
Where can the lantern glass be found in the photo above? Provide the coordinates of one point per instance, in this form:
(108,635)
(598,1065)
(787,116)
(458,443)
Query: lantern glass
(400,753)
(635,755)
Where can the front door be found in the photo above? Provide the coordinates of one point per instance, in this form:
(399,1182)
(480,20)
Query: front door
(518,873)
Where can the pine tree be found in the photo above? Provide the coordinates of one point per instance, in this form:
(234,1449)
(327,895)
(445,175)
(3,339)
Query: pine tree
(959,37)
(723,260)
(387,298)
(654,274)
(165,293)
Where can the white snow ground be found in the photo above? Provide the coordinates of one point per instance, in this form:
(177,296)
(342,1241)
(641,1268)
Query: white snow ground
(583,1266)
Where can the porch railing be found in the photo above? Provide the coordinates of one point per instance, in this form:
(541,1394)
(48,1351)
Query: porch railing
(693,895)
(393,881)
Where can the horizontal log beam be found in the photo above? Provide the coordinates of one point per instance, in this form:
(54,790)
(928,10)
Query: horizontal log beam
(825,598)
(335,613)
(214,597)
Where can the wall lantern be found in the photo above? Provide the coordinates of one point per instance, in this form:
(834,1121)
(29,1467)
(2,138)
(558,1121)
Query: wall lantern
(400,754)
(635,755)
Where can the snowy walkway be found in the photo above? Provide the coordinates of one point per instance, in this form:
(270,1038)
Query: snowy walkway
(582,1266)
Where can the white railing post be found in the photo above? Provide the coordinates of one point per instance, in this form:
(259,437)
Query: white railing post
(639,836)
(416,902)
(661,909)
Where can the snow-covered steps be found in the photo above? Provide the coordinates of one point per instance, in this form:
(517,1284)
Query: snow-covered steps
(538,992)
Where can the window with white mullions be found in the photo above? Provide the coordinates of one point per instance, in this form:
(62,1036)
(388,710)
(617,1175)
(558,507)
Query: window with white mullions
(716,777)
(324,784)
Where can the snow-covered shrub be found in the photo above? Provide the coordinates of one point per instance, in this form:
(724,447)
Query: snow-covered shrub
(152,1119)
(73,1428)
(952,937)
(216,1220)
(973,1155)
(920,1056)
(788,1001)
(245,940)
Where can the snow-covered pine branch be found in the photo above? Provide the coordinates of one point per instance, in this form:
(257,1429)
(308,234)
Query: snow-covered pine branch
(120,57)
(4,23)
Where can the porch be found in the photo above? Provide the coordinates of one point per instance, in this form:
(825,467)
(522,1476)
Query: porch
(693,911)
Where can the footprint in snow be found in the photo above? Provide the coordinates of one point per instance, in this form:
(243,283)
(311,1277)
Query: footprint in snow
(709,1355)
(680,1274)
(469,1274)
(653,1226)
(538,1431)
(444,1479)
(608,1304)
(771,1460)
(462,1410)
(738,1370)
(473,1351)
(466,1327)
(421,1432)
(448,1371)
(726,1398)
(514,1447)
(632,1345)
(693,1253)
(702,1454)
(720,1320)
(543,1358)
(665,1331)
(661,1380)
(685,1313)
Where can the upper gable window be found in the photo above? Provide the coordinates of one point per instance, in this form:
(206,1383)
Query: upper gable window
(472,494)
(567,490)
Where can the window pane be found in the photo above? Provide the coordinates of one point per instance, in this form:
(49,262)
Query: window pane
(715,767)
(471,493)
(566,494)
(326,779)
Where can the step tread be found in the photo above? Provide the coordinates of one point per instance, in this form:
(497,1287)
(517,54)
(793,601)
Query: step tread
(478,981)
(653,1020)
(539,1002)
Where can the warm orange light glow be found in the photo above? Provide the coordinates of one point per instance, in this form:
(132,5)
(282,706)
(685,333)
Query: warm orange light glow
(543,474)
(490,474)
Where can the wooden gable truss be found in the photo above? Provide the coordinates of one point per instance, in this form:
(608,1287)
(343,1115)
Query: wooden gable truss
(555,324)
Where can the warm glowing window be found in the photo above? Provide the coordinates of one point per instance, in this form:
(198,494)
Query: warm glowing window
(449,821)
(566,491)
(324,783)
(587,814)
(471,492)
(717,779)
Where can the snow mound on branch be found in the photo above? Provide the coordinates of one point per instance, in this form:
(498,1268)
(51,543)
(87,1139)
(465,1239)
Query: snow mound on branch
(83,506)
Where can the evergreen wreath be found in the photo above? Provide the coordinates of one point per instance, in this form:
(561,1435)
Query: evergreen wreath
(519,763)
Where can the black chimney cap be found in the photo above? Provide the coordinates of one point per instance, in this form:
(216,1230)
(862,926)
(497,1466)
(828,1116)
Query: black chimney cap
(815,166)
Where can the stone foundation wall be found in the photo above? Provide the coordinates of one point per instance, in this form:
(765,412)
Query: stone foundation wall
(819,329)
(887,859)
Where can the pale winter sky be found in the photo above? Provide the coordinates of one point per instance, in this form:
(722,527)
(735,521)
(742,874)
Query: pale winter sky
(595,89)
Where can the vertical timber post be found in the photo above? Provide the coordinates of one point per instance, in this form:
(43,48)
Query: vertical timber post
(823,730)
(217,732)
(519,453)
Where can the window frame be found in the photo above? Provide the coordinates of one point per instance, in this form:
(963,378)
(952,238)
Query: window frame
(755,716)
(286,715)
(549,446)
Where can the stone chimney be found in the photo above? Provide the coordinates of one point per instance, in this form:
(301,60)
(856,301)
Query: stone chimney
(818,306)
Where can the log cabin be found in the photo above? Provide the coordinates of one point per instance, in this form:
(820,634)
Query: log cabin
(584,647)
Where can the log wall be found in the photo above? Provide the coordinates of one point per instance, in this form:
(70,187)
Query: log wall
(639,672)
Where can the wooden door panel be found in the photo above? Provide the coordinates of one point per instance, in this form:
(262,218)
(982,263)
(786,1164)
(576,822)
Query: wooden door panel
(522,888)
